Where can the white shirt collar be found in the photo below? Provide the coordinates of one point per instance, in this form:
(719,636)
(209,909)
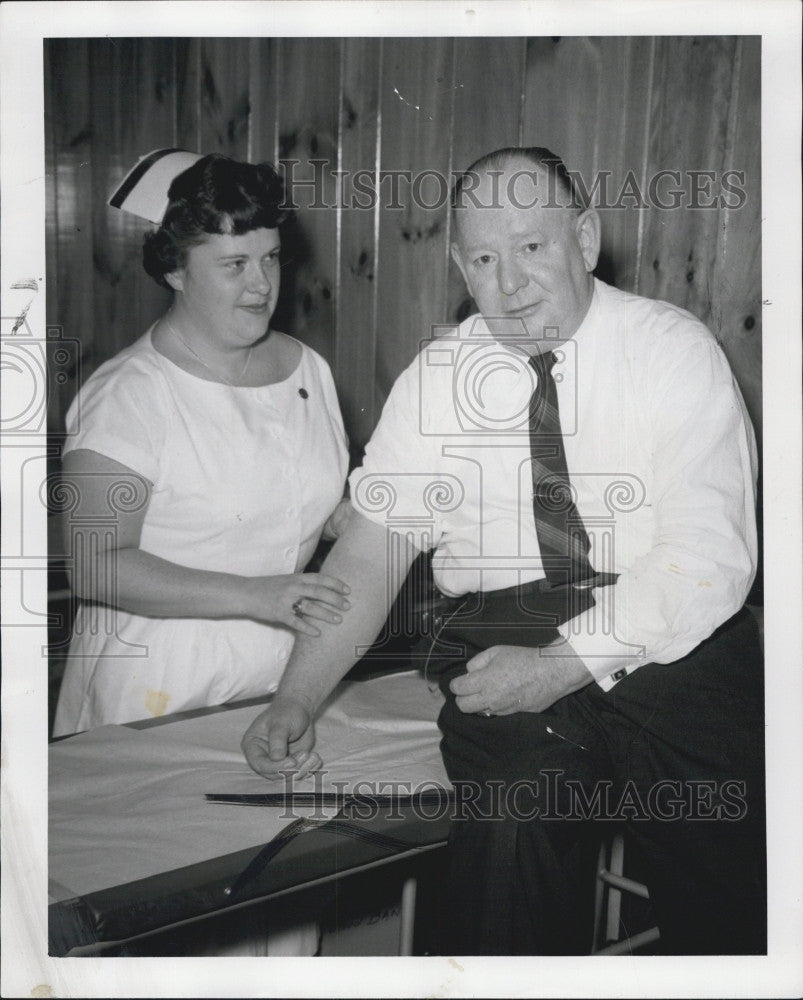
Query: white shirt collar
(475,327)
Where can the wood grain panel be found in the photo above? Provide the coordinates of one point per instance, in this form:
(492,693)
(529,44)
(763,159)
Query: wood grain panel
(152,126)
(687,133)
(308,130)
(114,152)
(263,88)
(367,286)
(72,129)
(356,306)
(486,115)
(623,110)
(488,94)
(58,401)
(187,124)
(561,96)
(588,99)
(416,100)
(131,124)
(224,100)
(736,301)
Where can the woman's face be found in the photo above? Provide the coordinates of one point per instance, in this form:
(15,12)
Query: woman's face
(230,284)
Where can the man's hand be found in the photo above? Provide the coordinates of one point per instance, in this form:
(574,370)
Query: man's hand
(507,679)
(281,739)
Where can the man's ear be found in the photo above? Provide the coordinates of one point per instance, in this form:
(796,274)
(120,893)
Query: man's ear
(587,227)
(457,257)
(176,280)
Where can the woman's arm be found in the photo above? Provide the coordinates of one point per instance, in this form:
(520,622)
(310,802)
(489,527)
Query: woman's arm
(109,566)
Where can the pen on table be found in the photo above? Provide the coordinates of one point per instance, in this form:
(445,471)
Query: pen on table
(339,799)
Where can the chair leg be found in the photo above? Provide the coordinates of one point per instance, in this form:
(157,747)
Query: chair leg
(407,918)
(614,894)
(629,945)
(612,881)
(599,898)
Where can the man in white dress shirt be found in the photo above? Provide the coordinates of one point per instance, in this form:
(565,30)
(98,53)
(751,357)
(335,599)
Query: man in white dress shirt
(580,461)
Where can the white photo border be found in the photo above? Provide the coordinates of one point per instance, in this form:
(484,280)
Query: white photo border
(26,968)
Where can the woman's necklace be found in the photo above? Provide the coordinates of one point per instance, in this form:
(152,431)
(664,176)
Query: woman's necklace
(200,360)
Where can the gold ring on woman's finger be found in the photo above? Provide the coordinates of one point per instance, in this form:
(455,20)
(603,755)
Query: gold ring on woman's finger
(297,607)
(487,713)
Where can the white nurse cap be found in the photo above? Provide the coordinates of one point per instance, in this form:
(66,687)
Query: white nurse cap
(143,191)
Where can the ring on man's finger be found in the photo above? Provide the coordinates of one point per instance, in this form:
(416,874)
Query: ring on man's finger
(297,607)
(487,713)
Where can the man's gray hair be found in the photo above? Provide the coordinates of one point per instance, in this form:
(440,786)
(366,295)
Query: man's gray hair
(539,157)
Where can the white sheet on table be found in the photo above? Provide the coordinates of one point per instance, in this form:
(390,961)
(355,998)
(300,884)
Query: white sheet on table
(127,804)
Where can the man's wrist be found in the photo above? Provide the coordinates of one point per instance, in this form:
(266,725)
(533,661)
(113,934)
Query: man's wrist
(570,666)
(299,697)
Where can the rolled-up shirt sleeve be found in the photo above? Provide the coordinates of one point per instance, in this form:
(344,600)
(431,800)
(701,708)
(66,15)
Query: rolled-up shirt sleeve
(399,484)
(700,568)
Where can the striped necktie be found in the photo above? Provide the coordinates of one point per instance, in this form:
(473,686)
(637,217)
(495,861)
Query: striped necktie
(561,536)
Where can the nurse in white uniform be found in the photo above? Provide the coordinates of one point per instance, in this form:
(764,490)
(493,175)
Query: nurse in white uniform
(203,463)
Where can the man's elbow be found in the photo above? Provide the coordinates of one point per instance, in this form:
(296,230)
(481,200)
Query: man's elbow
(371,559)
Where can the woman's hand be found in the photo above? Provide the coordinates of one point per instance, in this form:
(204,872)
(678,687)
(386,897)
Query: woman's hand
(338,520)
(146,584)
(280,740)
(297,599)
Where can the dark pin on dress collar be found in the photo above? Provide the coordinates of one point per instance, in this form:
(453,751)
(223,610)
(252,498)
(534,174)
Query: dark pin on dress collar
(303,393)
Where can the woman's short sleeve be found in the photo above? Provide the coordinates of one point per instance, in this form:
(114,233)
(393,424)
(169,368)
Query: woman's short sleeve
(121,413)
(329,395)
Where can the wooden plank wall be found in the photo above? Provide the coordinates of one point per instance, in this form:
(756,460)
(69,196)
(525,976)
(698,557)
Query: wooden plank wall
(363,286)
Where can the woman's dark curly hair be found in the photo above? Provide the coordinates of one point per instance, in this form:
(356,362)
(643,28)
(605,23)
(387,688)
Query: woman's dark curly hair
(215,195)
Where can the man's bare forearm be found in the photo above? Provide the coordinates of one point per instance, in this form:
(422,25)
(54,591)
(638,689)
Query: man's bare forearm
(361,558)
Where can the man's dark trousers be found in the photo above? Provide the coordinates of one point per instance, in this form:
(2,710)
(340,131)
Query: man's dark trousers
(675,750)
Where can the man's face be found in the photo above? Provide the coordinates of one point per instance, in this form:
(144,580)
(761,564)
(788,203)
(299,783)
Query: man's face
(528,268)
